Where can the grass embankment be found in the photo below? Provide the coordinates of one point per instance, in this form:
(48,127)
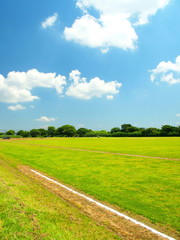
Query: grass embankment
(29,211)
(142,186)
(149,146)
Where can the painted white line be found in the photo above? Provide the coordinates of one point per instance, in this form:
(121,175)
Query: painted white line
(105,207)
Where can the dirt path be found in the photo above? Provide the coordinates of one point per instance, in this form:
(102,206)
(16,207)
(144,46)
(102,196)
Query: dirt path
(104,152)
(125,228)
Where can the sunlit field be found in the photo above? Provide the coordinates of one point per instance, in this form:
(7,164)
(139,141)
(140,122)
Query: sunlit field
(140,186)
(150,146)
(29,211)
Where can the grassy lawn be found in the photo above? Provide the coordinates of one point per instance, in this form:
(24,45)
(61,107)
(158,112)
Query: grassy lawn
(142,186)
(29,211)
(150,146)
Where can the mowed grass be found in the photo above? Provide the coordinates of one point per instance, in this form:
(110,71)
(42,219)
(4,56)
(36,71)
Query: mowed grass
(29,211)
(140,186)
(168,147)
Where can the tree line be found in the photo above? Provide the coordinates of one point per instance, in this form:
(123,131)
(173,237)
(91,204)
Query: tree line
(126,130)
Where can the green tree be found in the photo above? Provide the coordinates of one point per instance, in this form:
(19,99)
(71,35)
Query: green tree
(26,134)
(23,133)
(43,132)
(82,131)
(166,129)
(103,133)
(149,132)
(128,128)
(91,134)
(115,129)
(133,129)
(135,134)
(119,134)
(35,133)
(51,131)
(10,132)
(20,133)
(66,130)
(125,127)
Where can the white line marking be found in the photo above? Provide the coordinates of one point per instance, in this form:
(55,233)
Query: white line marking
(105,207)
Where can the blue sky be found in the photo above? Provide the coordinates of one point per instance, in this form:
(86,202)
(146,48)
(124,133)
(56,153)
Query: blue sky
(89,64)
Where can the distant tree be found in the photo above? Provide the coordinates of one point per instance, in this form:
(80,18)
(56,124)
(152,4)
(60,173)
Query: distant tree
(102,133)
(51,131)
(115,129)
(23,133)
(26,134)
(166,129)
(43,132)
(82,131)
(128,128)
(69,131)
(133,129)
(20,133)
(175,131)
(125,127)
(178,130)
(35,133)
(1,133)
(91,134)
(149,132)
(135,134)
(119,134)
(66,130)
(59,131)
(10,132)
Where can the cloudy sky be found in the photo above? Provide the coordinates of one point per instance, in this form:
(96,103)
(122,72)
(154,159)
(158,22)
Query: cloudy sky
(90,63)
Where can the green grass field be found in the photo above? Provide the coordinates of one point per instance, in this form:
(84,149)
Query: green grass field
(29,211)
(139,186)
(149,146)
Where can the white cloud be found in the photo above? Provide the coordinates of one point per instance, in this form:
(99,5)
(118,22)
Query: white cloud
(50,21)
(167,72)
(16,107)
(109,30)
(178,115)
(18,85)
(45,119)
(13,94)
(109,97)
(105,50)
(170,79)
(96,87)
(115,25)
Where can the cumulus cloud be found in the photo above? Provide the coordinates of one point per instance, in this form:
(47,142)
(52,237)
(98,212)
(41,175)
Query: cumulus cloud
(82,89)
(109,30)
(18,85)
(45,119)
(178,115)
(16,107)
(168,72)
(50,21)
(115,25)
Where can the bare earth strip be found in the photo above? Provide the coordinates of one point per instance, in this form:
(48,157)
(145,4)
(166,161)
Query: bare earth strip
(123,227)
(104,152)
